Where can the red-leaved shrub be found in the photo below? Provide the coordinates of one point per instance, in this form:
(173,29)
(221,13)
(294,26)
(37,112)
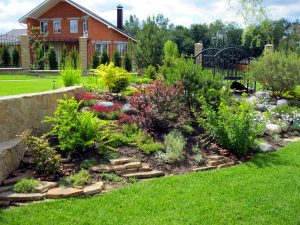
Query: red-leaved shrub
(160,106)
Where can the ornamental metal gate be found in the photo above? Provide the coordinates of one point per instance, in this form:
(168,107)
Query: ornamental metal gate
(233,63)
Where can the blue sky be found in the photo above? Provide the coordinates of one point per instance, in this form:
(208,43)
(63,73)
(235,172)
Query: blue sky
(184,12)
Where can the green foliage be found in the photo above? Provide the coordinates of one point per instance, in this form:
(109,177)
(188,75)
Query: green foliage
(40,58)
(150,72)
(45,158)
(127,62)
(52,59)
(117,59)
(111,177)
(63,57)
(16,56)
(88,163)
(96,60)
(151,147)
(70,75)
(76,131)
(199,159)
(187,129)
(175,143)
(140,80)
(170,51)
(74,59)
(278,72)
(6,58)
(233,126)
(196,149)
(83,177)
(104,58)
(26,186)
(115,78)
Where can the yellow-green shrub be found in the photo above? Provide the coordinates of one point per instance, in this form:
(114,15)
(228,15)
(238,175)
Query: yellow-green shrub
(115,78)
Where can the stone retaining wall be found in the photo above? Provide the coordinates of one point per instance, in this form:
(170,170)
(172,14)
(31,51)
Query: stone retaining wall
(21,112)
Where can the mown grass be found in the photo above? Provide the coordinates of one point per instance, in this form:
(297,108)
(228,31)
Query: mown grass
(265,190)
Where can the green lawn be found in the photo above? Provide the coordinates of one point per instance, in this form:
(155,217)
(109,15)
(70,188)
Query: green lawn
(266,190)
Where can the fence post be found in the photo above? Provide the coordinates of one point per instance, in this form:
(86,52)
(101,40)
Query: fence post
(197,49)
(83,54)
(25,53)
(269,48)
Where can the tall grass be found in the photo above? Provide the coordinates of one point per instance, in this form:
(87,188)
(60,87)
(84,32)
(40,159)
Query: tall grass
(71,75)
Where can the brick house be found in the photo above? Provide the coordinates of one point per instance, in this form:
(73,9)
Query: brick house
(65,21)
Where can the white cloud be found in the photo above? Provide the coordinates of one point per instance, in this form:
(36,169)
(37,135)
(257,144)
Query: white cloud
(184,12)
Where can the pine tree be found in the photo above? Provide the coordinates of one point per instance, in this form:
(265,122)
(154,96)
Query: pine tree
(40,58)
(117,59)
(96,60)
(6,58)
(16,56)
(75,58)
(52,59)
(128,65)
(63,57)
(104,57)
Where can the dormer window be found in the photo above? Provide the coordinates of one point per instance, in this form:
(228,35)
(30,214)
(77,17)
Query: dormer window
(44,26)
(56,26)
(73,25)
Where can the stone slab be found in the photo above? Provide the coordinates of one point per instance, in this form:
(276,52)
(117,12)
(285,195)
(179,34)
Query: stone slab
(133,165)
(61,192)
(94,188)
(6,188)
(145,167)
(18,197)
(18,178)
(218,162)
(127,171)
(120,161)
(45,186)
(101,169)
(145,175)
(204,168)
(226,165)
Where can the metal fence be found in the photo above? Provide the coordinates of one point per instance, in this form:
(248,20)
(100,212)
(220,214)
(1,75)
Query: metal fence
(10,51)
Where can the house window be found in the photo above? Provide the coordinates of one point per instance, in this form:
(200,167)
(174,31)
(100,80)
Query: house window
(73,26)
(102,46)
(121,47)
(44,26)
(56,26)
(85,27)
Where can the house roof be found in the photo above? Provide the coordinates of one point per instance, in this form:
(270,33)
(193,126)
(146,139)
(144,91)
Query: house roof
(48,4)
(12,37)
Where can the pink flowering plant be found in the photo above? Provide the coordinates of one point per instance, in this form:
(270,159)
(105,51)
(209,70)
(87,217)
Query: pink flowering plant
(160,106)
(87,98)
(107,113)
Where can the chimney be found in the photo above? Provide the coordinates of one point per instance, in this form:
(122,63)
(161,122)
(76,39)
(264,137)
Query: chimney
(120,17)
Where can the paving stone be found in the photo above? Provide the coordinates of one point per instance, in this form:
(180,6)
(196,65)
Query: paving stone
(226,165)
(61,192)
(6,188)
(4,203)
(101,169)
(145,167)
(45,186)
(120,161)
(94,188)
(127,171)
(16,179)
(118,167)
(215,157)
(204,168)
(132,165)
(18,197)
(145,175)
(218,162)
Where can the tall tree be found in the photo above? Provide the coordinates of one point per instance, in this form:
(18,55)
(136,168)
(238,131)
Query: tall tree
(132,26)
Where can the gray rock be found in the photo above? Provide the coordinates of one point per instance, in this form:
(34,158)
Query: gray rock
(282,102)
(129,110)
(266,147)
(263,96)
(273,129)
(271,107)
(252,100)
(261,107)
(106,104)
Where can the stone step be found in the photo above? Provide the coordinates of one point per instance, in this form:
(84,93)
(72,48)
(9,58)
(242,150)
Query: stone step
(133,165)
(218,162)
(214,157)
(45,186)
(101,169)
(4,203)
(94,188)
(6,188)
(120,161)
(18,197)
(61,192)
(127,171)
(145,175)
(18,178)
(145,167)
(204,168)
(226,165)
